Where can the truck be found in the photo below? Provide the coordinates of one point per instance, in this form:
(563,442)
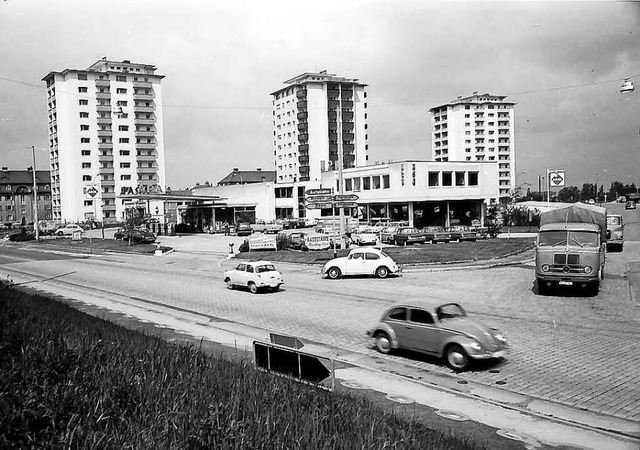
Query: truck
(571,247)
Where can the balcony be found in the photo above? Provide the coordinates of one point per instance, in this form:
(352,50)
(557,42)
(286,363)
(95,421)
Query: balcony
(141,107)
(348,147)
(105,169)
(347,92)
(142,94)
(348,136)
(105,158)
(347,104)
(146,169)
(333,137)
(302,104)
(301,93)
(332,115)
(303,127)
(103,83)
(349,160)
(108,194)
(303,115)
(303,147)
(108,182)
(333,104)
(151,157)
(103,95)
(142,84)
(347,116)
(108,132)
(348,126)
(109,207)
(145,133)
(303,137)
(332,93)
(103,108)
(303,160)
(103,120)
(105,145)
(144,121)
(146,145)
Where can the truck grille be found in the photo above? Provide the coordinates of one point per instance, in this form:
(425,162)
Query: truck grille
(566,262)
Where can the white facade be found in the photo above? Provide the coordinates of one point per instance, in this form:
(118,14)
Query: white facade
(309,116)
(477,128)
(105,132)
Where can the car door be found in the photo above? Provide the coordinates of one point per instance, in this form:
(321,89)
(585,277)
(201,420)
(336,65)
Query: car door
(249,274)
(371,262)
(397,320)
(355,264)
(423,334)
(238,276)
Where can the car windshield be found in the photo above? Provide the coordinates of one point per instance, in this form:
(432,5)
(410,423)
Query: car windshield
(613,220)
(450,311)
(266,268)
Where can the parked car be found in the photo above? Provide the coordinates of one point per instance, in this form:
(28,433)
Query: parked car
(68,229)
(387,233)
(481,232)
(296,240)
(435,235)
(334,236)
(442,330)
(364,236)
(461,233)
(139,235)
(244,229)
(361,261)
(630,204)
(254,275)
(615,232)
(266,226)
(408,235)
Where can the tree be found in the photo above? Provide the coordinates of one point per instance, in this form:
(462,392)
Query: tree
(569,194)
(494,220)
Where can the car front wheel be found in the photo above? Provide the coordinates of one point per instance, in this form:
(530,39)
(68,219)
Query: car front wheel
(457,358)
(383,342)
(229,283)
(253,288)
(382,272)
(334,273)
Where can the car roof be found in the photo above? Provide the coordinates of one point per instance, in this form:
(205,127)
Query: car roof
(257,263)
(366,249)
(428,304)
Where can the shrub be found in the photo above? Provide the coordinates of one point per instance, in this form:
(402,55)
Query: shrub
(21,237)
(282,241)
(244,247)
(493,220)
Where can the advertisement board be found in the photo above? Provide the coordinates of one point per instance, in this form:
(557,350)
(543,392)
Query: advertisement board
(317,241)
(262,243)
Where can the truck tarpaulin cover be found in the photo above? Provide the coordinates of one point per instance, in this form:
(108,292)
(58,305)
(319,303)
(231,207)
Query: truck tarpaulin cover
(580,213)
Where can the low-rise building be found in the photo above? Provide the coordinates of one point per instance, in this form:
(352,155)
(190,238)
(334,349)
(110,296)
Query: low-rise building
(16,196)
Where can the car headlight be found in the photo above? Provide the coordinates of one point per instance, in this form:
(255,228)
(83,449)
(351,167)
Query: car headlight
(588,270)
(476,346)
(545,267)
(500,337)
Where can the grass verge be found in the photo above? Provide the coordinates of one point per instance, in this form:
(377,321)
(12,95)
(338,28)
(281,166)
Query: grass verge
(70,380)
(97,245)
(483,250)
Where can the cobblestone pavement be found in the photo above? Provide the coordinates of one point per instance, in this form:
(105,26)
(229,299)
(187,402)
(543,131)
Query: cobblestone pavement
(578,351)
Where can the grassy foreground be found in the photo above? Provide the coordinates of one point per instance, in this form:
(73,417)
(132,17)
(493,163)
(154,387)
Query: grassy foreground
(72,381)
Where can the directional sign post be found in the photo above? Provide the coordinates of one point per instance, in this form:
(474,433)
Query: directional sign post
(346,198)
(319,205)
(346,204)
(319,198)
(325,191)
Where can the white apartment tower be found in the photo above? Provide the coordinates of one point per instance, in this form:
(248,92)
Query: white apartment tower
(477,128)
(105,138)
(312,114)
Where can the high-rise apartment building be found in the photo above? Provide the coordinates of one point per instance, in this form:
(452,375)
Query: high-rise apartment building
(105,138)
(477,128)
(312,115)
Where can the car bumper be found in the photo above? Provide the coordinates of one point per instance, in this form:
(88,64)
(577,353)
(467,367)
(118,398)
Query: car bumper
(272,284)
(491,355)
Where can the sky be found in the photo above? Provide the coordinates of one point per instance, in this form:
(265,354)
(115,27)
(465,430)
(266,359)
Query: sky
(562,62)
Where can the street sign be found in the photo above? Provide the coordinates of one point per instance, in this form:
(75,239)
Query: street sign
(325,191)
(319,205)
(556,178)
(346,198)
(92,191)
(319,198)
(346,204)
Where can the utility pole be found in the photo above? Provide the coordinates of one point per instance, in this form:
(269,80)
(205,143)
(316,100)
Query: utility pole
(35,195)
(340,164)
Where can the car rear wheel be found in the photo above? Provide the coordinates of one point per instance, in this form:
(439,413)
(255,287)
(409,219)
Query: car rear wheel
(334,273)
(382,272)
(60,233)
(253,288)
(457,358)
(229,283)
(383,342)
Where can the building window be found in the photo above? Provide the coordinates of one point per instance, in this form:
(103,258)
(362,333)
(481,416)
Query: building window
(84,115)
(124,152)
(120,77)
(82,76)
(85,140)
(125,177)
(123,140)
(85,152)
(473,178)
(82,89)
(459,178)
(385,182)
(86,177)
(84,127)
(375,182)
(366,183)
(446,178)
(123,128)
(125,165)
(433,179)
(88,203)
(86,165)
(83,102)
(121,91)
(348,184)
(356,184)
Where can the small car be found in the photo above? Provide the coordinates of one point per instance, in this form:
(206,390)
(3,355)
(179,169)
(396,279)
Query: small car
(68,229)
(138,235)
(461,233)
(244,229)
(630,204)
(296,240)
(254,275)
(361,261)
(387,233)
(615,232)
(434,235)
(364,236)
(442,330)
(408,235)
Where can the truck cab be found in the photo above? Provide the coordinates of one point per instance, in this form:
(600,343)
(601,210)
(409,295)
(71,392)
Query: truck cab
(570,253)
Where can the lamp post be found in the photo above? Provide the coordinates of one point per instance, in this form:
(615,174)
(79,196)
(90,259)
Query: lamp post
(35,194)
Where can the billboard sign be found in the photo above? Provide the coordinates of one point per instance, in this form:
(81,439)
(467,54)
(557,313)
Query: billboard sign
(262,243)
(317,241)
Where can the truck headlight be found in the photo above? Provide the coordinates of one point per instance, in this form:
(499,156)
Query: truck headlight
(588,270)
(545,267)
